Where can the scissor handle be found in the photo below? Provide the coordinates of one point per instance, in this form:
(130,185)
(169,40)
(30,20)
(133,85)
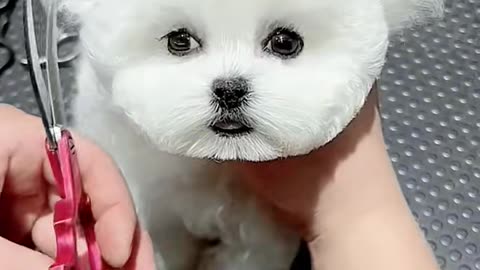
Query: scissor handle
(72,209)
(88,224)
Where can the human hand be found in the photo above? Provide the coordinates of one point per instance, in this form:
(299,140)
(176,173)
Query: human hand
(27,195)
(298,188)
(345,201)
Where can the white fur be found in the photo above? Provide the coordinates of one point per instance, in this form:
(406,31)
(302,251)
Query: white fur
(150,109)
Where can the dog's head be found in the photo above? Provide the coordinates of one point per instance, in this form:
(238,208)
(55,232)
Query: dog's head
(254,79)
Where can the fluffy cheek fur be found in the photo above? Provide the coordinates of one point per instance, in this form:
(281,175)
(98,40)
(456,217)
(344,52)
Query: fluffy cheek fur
(295,105)
(293,108)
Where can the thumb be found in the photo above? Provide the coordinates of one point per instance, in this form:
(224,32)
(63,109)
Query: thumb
(13,256)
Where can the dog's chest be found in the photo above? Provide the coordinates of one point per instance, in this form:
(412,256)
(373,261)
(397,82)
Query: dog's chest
(204,197)
(208,203)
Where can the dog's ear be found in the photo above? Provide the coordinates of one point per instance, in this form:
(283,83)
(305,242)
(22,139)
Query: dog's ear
(77,7)
(72,8)
(71,12)
(406,13)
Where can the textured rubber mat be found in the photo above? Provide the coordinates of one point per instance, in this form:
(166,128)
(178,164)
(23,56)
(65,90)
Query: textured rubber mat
(431,111)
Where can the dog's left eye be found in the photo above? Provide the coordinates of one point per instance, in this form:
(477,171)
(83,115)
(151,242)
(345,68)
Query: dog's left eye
(284,43)
(181,42)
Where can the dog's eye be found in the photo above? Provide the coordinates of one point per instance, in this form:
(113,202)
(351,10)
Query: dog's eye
(181,42)
(284,43)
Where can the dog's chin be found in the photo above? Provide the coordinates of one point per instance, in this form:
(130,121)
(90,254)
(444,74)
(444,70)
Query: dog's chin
(238,145)
(226,141)
(230,142)
(233,137)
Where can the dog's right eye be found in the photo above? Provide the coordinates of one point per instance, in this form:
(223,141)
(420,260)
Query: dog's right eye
(181,42)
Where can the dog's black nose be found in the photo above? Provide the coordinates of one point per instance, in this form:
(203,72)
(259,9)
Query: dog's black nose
(230,93)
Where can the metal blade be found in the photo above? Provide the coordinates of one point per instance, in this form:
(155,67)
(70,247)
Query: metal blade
(53,73)
(38,83)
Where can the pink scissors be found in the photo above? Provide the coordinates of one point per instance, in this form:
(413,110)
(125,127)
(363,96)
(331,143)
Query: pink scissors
(73,209)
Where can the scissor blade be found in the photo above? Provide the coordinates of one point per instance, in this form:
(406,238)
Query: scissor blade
(39,87)
(53,73)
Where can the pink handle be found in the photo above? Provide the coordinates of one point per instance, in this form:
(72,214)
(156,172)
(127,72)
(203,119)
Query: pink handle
(88,224)
(72,208)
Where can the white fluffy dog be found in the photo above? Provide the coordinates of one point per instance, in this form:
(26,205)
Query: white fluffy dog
(171,87)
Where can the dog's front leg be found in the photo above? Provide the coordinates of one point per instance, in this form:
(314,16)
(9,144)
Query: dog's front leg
(174,246)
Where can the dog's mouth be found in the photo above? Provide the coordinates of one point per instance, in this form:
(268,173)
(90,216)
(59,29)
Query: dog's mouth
(229,127)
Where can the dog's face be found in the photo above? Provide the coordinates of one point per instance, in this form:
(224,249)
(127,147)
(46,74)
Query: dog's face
(225,79)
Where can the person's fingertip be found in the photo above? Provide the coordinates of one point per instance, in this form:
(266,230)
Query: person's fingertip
(115,232)
(13,256)
(43,235)
(142,255)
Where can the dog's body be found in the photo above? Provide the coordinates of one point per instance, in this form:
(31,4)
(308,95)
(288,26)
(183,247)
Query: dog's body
(187,205)
(167,86)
